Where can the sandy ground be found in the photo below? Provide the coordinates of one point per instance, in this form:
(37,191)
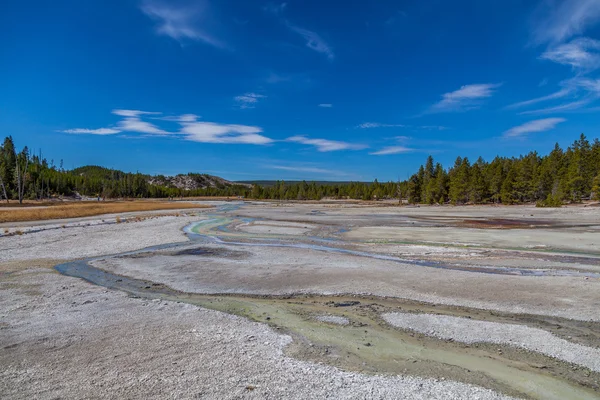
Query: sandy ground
(62,337)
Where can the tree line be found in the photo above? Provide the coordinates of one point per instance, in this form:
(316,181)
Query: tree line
(569,175)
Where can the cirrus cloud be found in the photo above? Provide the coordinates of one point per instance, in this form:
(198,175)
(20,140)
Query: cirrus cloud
(538,125)
(248,100)
(581,54)
(182,22)
(370,125)
(468,97)
(100,131)
(392,150)
(313,41)
(556,23)
(325,145)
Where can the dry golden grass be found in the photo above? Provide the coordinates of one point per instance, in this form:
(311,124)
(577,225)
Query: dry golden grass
(87,209)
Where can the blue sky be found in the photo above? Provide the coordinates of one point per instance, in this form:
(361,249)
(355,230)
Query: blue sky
(298,89)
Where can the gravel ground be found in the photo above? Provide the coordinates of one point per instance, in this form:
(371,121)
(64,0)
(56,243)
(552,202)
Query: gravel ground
(137,349)
(467,330)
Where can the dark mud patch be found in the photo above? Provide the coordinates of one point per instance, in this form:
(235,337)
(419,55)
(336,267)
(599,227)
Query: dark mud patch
(211,252)
(349,303)
(503,223)
(201,251)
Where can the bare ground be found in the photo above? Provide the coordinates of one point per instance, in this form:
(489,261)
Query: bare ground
(63,337)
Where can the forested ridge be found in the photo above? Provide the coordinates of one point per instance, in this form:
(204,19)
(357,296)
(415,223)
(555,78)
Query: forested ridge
(569,175)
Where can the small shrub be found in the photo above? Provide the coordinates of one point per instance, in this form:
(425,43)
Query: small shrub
(118,220)
(18,232)
(551,201)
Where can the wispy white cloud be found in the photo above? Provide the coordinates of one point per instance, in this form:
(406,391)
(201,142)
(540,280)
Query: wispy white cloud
(133,113)
(313,41)
(326,105)
(182,22)
(370,125)
(373,125)
(579,90)
(100,131)
(133,123)
(538,125)
(556,95)
(190,129)
(589,84)
(581,54)
(558,21)
(212,132)
(179,118)
(434,127)
(248,100)
(574,105)
(392,150)
(325,145)
(560,25)
(466,98)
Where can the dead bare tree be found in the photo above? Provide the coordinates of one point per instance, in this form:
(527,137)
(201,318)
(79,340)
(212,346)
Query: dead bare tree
(21,177)
(3,189)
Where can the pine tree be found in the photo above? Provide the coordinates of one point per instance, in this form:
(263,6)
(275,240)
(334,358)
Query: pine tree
(507,193)
(477,184)
(8,162)
(596,188)
(428,182)
(459,181)
(415,187)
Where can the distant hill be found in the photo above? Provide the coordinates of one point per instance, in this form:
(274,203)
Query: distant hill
(191,181)
(97,172)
